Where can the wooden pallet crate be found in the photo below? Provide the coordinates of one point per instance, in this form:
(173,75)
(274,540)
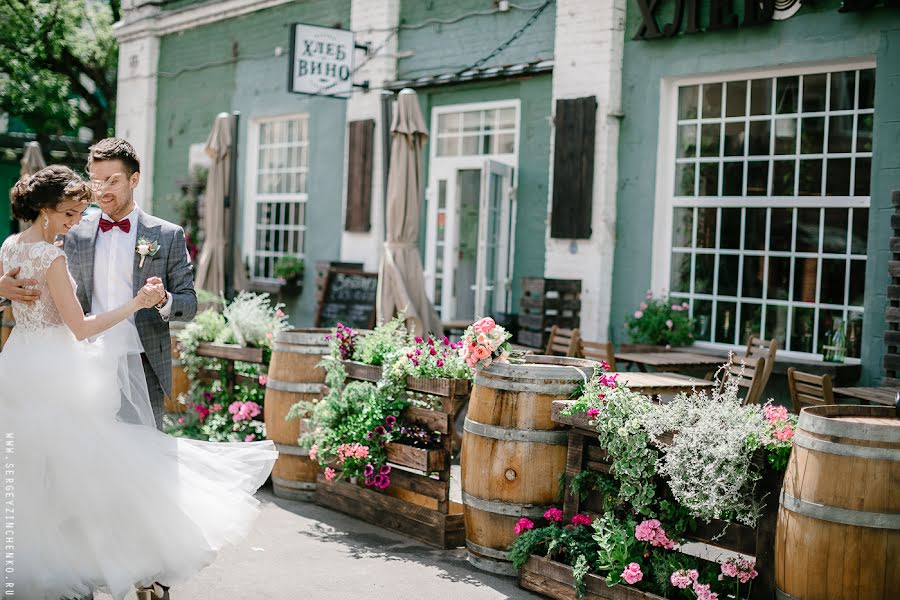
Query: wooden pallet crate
(555,580)
(417,503)
(585,454)
(892,335)
(545,303)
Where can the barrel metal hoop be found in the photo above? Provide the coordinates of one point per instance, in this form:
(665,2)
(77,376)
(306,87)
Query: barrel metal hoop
(489,552)
(779,595)
(287,386)
(294,485)
(497,567)
(852,431)
(292,450)
(811,443)
(504,508)
(557,438)
(306,338)
(843,516)
(318,350)
(524,386)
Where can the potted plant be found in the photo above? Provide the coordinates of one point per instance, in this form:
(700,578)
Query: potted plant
(290,269)
(660,323)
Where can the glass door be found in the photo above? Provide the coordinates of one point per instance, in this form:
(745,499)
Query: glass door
(494,240)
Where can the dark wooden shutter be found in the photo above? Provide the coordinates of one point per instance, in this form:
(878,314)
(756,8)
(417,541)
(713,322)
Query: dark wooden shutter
(573,168)
(359,176)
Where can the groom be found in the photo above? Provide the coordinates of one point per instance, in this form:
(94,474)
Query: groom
(109,265)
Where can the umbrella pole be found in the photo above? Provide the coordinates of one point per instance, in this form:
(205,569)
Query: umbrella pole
(231,259)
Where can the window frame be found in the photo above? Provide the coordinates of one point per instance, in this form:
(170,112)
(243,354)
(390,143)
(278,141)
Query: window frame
(666,200)
(253,198)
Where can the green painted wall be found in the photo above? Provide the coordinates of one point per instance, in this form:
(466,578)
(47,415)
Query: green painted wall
(198,79)
(9,174)
(443,47)
(812,35)
(535,95)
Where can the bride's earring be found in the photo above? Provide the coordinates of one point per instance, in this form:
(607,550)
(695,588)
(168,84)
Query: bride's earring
(46,222)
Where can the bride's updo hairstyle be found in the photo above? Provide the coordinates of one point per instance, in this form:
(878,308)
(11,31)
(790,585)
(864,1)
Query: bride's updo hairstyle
(47,188)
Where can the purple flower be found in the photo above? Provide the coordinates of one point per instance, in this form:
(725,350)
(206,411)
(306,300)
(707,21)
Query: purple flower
(433,352)
(385,469)
(379,430)
(418,340)
(369,481)
(370,435)
(379,480)
(386,482)
(430,342)
(390,420)
(440,363)
(446,341)
(369,470)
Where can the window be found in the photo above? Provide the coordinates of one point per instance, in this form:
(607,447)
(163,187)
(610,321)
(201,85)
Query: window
(279,192)
(769,206)
(476,132)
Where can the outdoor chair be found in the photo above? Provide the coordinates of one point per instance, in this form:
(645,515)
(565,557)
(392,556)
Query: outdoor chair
(754,368)
(809,390)
(598,351)
(563,342)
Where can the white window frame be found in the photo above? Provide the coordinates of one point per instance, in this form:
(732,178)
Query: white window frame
(253,198)
(666,201)
(456,162)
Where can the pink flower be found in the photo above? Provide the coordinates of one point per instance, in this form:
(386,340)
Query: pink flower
(181,419)
(553,514)
(313,451)
(329,474)
(604,365)
(744,570)
(481,352)
(216,407)
(643,306)
(638,314)
(236,427)
(523,525)
(484,325)
(279,313)
(250,437)
(385,469)
(681,579)
(581,520)
(263,379)
(785,433)
(632,573)
(651,531)
(676,307)
(703,593)
(669,323)
(593,412)
(685,305)
(775,413)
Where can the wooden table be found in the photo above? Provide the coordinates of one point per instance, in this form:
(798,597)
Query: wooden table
(670,361)
(662,383)
(884,396)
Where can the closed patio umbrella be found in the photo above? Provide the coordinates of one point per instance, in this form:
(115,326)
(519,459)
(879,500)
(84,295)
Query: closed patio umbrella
(211,262)
(32,159)
(401,283)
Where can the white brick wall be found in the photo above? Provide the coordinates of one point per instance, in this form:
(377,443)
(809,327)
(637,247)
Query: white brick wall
(370,19)
(136,107)
(588,62)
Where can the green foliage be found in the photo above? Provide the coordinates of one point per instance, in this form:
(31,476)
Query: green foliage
(375,347)
(207,326)
(586,482)
(572,545)
(289,268)
(60,57)
(658,321)
(616,545)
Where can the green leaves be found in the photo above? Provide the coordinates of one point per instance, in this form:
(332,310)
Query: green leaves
(60,59)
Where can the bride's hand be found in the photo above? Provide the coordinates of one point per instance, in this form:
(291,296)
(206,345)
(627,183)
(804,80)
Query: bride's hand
(147,297)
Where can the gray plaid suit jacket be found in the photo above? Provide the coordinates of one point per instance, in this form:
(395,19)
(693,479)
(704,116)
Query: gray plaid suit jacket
(171,263)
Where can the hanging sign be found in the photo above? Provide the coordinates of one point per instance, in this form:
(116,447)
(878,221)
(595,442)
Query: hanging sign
(321,61)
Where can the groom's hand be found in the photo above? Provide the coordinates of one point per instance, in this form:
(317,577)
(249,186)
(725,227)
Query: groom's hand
(15,289)
(158,288)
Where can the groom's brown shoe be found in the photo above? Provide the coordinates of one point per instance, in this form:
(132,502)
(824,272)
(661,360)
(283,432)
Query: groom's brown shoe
(155,592)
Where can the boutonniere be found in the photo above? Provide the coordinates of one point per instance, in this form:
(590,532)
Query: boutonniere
(146,248)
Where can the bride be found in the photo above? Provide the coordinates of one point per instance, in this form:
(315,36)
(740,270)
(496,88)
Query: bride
(92,502)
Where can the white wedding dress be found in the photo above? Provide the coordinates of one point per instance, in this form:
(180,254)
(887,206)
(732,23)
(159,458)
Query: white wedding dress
(91,502)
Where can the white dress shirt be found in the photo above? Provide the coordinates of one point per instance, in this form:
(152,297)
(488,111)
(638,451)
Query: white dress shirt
(114,252)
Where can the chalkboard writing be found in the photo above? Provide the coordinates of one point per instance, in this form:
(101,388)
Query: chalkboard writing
(349,298)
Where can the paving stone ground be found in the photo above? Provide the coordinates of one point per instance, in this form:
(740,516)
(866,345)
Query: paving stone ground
(300,551)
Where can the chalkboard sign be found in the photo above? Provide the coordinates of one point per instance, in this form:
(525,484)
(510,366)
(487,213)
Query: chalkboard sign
(349,298)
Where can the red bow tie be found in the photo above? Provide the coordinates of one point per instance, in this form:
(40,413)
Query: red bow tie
(106,225)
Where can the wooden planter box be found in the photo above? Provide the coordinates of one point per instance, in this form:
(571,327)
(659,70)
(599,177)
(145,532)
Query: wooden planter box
(229,353)
(417,503)
(585,454)
(555,580)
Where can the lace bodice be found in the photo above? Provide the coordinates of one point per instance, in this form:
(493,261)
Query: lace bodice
(34,259)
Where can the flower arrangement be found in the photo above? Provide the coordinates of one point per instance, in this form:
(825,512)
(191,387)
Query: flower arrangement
(342,342)
(431,357)
(289,268)
(484,342)
(661,321)
(221,415)
(703,447)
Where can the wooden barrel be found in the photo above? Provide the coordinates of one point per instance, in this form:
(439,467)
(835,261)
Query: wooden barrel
(293,376)
(838,533)
(7,322)
(180,383)
(512,452)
